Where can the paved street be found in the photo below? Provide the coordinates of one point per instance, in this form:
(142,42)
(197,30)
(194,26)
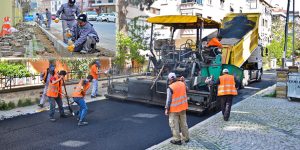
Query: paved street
(105,30)
(256,123)
(113,125)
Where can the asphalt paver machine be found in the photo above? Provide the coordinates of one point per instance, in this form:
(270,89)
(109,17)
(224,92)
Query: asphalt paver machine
(190,59)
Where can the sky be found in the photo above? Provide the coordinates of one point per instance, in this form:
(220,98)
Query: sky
(283,4)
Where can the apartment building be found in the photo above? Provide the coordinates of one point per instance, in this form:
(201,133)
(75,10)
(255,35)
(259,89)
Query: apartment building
(104,6)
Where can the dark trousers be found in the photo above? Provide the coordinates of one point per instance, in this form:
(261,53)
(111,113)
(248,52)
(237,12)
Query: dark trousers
(226,102)
(58,101)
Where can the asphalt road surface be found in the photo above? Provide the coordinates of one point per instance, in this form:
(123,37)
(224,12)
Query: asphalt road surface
(114,125)
(105,30)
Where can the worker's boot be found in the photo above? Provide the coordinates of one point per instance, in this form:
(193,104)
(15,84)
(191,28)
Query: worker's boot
(175,142)
(82,123)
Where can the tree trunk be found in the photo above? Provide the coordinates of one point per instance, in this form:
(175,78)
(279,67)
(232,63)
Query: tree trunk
(122,12)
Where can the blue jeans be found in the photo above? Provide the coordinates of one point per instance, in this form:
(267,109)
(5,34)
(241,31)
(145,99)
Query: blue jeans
(82,107)
(95,87)
(52,101)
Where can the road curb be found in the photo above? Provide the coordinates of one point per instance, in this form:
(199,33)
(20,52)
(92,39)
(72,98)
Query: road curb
(59,45)
(262,92)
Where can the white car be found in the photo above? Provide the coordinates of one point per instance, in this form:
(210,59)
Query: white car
(102,17)
(91,15)
(111,17)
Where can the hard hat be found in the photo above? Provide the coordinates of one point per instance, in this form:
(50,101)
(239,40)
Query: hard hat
(72,1)
(225,70)
(171,76)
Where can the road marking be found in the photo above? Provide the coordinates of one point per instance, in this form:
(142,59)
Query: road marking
(252,88)
(72,143)
(145,115)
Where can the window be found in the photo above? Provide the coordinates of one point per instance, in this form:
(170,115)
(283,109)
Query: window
(222,3)
(209,2)
(198,14)
(199,2)
(252,4)
(110,1)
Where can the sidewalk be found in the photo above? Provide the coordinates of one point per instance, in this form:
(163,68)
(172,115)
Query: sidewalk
(255,123)
(36,109)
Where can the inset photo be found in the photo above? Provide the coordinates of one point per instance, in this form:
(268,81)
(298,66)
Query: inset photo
(58,28)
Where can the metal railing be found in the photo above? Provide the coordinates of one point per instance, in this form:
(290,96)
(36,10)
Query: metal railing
(7,82)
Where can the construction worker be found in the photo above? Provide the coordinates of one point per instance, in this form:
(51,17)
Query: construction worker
(176,106)
(45,78)
(78,97)
(48,17)
(39,19)
(83,36)
(226,90)
(95,71)
(67,12)
(55,94)
(215,45)
(215,42)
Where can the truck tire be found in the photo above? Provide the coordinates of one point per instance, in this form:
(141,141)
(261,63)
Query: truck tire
(259,75)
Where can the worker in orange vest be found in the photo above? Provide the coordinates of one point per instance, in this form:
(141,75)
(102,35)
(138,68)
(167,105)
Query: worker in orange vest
(214,44)
(226,90)
(176,106)
(55,94)
(78,97)
(45,78)
(6,27)
(95,71)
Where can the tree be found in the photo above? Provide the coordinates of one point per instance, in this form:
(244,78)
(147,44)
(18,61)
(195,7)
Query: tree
(276,47)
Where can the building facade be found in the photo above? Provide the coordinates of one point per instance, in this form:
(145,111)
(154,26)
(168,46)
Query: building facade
(104,6)
(12,9)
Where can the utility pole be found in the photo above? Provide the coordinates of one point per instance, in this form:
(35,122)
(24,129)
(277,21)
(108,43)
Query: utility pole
(293,33)
(286,34)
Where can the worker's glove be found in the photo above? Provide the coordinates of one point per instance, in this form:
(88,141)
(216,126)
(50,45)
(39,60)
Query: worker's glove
(71,48)
(56,20)
(68,34)
(209,81)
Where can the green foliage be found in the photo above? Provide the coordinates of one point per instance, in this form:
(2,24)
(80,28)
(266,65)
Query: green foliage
(13,70)
(11,105)
(276,47)
(7,106)
(80,66)
(129,46)
(3,105)
(25,102)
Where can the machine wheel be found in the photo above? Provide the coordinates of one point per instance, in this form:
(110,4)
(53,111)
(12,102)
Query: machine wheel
(259,75)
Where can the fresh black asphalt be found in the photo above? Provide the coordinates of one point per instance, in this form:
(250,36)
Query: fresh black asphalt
(113,125)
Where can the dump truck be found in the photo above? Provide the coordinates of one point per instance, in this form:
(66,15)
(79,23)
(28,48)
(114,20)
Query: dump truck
(194,62)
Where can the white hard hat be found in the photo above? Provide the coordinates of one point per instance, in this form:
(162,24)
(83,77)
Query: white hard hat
(225,70)
(171,76)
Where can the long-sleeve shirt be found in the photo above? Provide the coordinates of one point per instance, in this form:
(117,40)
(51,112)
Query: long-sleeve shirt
(79,34)
(68,12)
(169,97)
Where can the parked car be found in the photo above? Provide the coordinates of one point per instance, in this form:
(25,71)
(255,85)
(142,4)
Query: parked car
(29,18)
(91,15)
(111,17)
(102,17)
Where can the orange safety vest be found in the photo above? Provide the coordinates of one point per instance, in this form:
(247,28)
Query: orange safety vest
(6,27)
(79,92)
(94,71)
(54,89)
(214,42)
(227,85)
(179,97)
